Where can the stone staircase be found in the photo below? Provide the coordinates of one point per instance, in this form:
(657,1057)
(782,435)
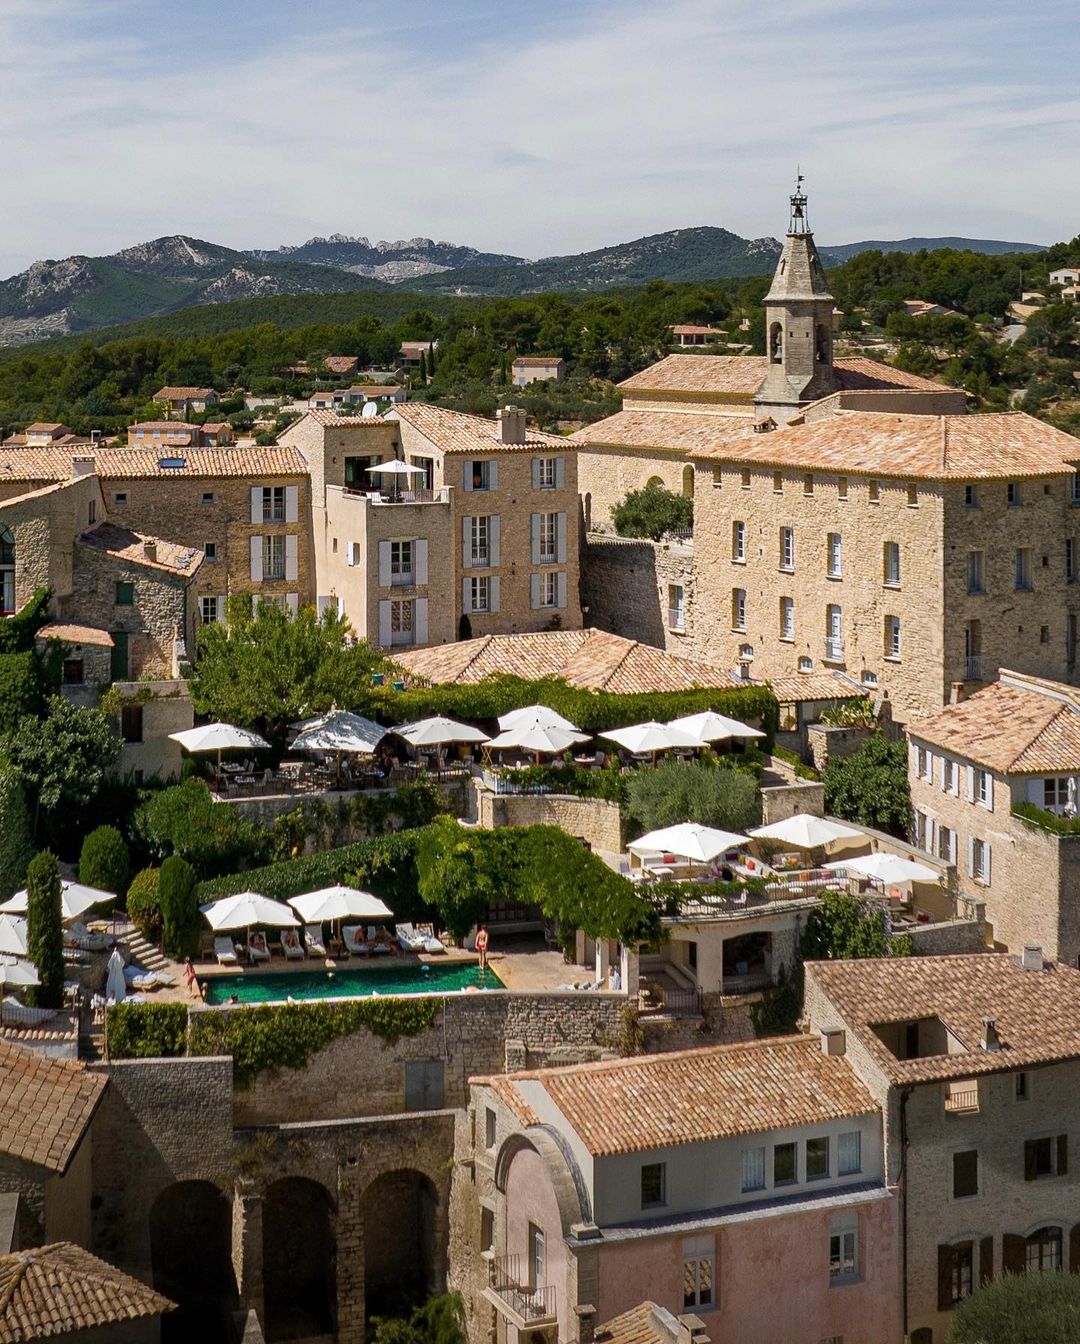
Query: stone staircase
(141,952)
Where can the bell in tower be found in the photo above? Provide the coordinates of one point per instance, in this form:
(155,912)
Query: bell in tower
(798,324)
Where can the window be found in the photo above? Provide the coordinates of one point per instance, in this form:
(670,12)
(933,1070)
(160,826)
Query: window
(208,497)
(1044,1249)
(924,764)
(874,492)
(480,593)
(489,1127)
(1070,559)
(1022,1088)
(817,1158)
(1055,793)
(892,637)
(843,1254)
(971,496)
(833,555)
(869,678)
(548,589)
(401,562)
(912,496)
(738,542)
(787,618)
(479,540)
(965,1173)
(834,640)
(1023,568)
(7,570)
(697,1281)
(125,594)
(549,531)
(487,1228)
(273,504)
(1048,1156)
(73,672)
(210,550)
(537,1249)
(982,787)
(1012,494)
(891,564)
(808,483)
(778,482)
(273,566)
(91,512)
(849,1153)
(955,1274)
(950,777)
(676,606)
(841,487)
(975,571)
(785,1163)
(753,1169)
(208,610)
(806,664)
(717,477)
(1044,634)
(131,723)
(401,622)
(546,473)
(738,608)
(653,1183)
(921,827)
(746,478)
(980,859)
(946,844)
(120,499)
(479,473)
(787,548)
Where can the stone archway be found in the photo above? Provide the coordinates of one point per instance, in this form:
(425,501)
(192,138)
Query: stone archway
(399,1210)
(191,1261)
(299,1260)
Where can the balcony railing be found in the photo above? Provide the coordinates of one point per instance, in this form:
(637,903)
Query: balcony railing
(973,667)
(834,648)
(420,495)
(530,1306)
(962,1096)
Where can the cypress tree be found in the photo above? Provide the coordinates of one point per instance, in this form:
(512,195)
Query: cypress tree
(423,368)
(179,908)
(431,358)
(45,930)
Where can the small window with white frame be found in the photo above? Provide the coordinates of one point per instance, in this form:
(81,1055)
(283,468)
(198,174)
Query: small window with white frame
(984,788)
(834,555)
(738,608)
(849,1153)
(546,473)
(924,764)
(980,860)
(892,638)
(950,777)
(843,1254)
(753,1169)
(480,593)
(676,606)
(273,503)
(401,562)
(891,564)
(549,533)
(738,542)
(549,588)
(787,548)
(698,1273)
(787,619)
(208,610)
(1055,794)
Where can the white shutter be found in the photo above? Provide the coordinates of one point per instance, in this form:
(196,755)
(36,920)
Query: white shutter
(384,625)
(971,856)
(468,473)
(493,478)
(292,549)
(466,530)
(536,538)
(931,835)
(536,473)
(420,560)
(350,554)
(322,605)
(989,791)
(384,564)
(534,591)
(292,504)
(256,559)
(971,783)
(220,611)
(420,620)
(952,846)
(560,473)
(341,606)
(560,533)
(560,589)
(256,504)
(292,603)
(986,857)
(493,593)
(493,540)
(466,595)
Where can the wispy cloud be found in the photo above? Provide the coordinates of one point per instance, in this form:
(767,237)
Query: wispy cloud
(537,130)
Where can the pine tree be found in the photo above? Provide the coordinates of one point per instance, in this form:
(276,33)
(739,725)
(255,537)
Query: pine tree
(45,930)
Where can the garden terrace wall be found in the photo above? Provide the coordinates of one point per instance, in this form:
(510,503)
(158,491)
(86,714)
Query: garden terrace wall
(593,819)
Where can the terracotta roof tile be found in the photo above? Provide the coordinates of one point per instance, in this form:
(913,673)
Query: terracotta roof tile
(691,1096)
(340,363)
(333,419)
(131,546)
(183,393)
(803,686)
(536,361)
(76,634)
(682,432)
(456,432)
(638,1326)
(719,375)
(1036,1013)
(61,1288)
(861,374)
(45,1106)
(132,463)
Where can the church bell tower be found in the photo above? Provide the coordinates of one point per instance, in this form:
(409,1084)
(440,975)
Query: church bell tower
(798,325)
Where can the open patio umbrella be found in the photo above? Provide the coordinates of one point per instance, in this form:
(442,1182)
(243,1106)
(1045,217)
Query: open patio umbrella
(13,935)
(434,732)
(218,737)
(712,727)
(541,714)
(339,731)
(15,973)
(334,903)
(535,737)
(688,840)
(889,869)
(651,737)
(115,984)
(806,832)
(75,900)
(396,470)
(246,909)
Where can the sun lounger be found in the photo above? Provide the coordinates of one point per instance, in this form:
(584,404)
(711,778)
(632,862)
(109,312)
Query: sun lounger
(431,943)
(352,936)
(313,940)
(19,1015)
(379,940)
(257,949)
(136,977)
(291,946)
(224,951)
(408,938)
(77,935)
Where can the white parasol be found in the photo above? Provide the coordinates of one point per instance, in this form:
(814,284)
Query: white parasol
(246,909)
(75,900)
(712,727)
(688,840)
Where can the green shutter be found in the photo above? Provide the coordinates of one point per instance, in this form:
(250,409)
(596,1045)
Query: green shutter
(119,670)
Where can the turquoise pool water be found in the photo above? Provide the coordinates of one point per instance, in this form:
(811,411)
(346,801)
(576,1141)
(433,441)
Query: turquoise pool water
(344,983)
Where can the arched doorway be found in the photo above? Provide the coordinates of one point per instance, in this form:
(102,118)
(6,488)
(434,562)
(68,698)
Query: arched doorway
(654,483)
(299,1260)
(688,481)
(398,1210)
(7,571)
(191,1261)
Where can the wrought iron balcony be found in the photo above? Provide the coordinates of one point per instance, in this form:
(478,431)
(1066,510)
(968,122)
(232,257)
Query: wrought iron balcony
(512,1297)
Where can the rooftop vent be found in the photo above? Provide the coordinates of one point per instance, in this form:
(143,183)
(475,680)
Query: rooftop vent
(764,426)
(1032,959)
(990,1038)
(833,1041)
(84,464)
(150,549)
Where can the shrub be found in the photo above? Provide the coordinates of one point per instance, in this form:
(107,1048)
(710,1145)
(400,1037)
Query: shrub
(651,512)
(870,787)
(146,1030)
(144,904)
(439,1320)
(104,861)
(45,930)
(581,780)
(462,872)
(63,760)
(857,712)
(179,908)
(214,838)
(16,836)
(1032,1308)
(698,791)
(1047,821)
(802,770)
(17,633)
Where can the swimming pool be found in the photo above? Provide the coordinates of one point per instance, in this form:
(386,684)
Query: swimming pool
(344,983)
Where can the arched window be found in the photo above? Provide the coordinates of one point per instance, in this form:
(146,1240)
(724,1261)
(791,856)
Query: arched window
(821,348)
(688,481)
(1044,1249)
(776,343)
(7,571)
(654,482)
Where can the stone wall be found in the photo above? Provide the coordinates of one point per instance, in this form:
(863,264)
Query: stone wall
(826,742)
(780,801)
(949,937)
(45,523)
(593,819)
(167,710)
(607,475)
(625,585)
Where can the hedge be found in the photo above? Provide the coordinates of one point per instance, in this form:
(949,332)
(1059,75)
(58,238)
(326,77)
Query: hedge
(1046,821)
(592,711)
(18,632)
(146,1030)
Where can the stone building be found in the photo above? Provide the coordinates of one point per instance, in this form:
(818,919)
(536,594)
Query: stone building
(528,369)
(975,1063)
(180,400)
(1015,742)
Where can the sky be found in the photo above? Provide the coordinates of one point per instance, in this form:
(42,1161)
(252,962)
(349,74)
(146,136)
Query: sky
(531,129)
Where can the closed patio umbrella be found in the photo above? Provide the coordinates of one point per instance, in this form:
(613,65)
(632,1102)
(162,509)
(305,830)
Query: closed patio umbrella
(115,984)
(246,909)
(712,727)
(75,900)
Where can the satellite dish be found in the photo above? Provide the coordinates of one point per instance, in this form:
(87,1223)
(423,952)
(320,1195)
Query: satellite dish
(370,411)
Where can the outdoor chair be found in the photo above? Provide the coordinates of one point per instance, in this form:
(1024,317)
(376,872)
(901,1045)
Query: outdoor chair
(257,948)
(352,937)
(290,945)
(224,952)
(313,940)
(380,940)
(431,943)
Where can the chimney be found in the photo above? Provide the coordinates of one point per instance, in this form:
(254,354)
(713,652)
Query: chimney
(691,1330)
(150,549)
(586,1318)
(511,424)
(85,464)
(990,1038)
(1032,959)
(833,1041)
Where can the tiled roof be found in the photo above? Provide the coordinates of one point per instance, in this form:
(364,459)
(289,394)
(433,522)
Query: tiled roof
(57,1289)
(456,432)
(1036,1013)
(242,463)
(131,546)
(45,1106)
(638,1326)
(375,389)
(333,420)
(185,393)
(340,363)
(862,374)
(536,361)
(76,634)
(692,329)
(680,432)
(592,659)
(35,464)
(46,427)
(1011,727)
(1000,446)
(802,686)
(691,1096)
(700,373)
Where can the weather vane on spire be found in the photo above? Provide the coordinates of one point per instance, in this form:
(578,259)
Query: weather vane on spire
(798,223)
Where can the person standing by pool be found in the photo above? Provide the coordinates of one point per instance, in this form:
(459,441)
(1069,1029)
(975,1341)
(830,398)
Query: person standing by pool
(190,977)
(482,946)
